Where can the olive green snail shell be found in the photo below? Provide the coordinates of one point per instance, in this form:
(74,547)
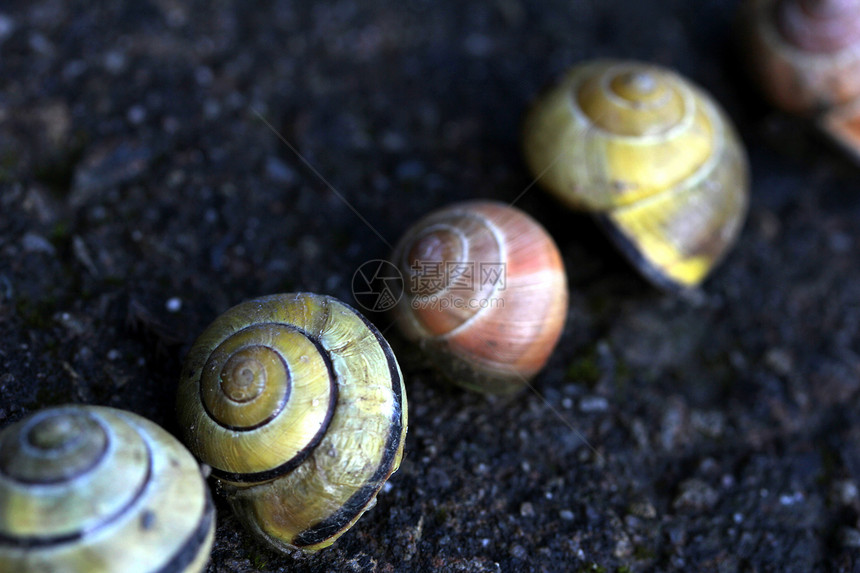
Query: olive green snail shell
(651,156)
(97,490)
(298,405)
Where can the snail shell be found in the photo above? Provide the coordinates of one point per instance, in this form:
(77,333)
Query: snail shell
(87,488)
(298,405)
(652,156)
(485,294)
(805,54)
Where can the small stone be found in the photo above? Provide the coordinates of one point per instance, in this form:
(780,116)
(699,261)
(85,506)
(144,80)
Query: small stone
(527,510)
(780,361)
(74,69)
(82,254)
(844,492)
(593,404)
(33,243)
(566,515)
(673,424)
(519,551)
(40,44)
(644,509)
(7,26)
(711,424)
(108,165)
(695,495)
(203,75)
(623,546)
(279,172)
(791,498)
(136,114)
(677,533)
(849,537)
(173,304)
(114,62)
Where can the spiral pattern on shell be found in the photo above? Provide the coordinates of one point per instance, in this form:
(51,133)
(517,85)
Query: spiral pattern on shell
(298,405)
(87,488)
(486,293)
(804,54)
(652,156)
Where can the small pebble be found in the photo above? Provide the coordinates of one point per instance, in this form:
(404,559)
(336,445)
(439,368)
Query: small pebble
(644,509)
(695,495)
(41,45)
(593,404)
(173,304)
(33,243)
(136,114)
(7,26)
(278,171)
(779,360)
(791,499)
(203,75)
(114,62)
(849,537)
(844,492)
(527,510)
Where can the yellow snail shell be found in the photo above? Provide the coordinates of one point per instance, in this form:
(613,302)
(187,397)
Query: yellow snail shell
(298,405)
(88,488)
(651,156)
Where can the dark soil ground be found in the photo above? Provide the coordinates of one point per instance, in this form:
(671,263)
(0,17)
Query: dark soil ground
(143,193)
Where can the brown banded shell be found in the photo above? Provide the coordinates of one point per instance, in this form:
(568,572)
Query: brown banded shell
(93,489)
(652,156)
(298,405)
(485,294)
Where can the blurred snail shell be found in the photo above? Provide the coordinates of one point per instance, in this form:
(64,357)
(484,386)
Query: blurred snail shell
(485,294)
(93,489)
(805,54)
(651,156)
(298,405)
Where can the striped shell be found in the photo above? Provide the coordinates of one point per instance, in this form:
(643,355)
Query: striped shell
(805,54)
(485,294)
(96,490)
(652,156)
(298,405)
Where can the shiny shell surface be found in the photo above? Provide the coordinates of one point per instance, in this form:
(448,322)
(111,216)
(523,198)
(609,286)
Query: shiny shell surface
(652,156)
(94,489)
(298,405)
(485,293)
